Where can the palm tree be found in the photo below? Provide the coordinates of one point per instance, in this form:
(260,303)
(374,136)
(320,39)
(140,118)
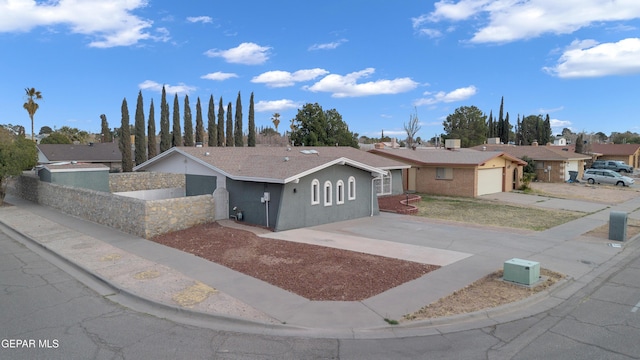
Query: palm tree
(276,120)
(31,106)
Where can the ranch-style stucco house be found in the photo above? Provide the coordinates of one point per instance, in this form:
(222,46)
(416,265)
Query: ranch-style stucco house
(457,172)
(284,187)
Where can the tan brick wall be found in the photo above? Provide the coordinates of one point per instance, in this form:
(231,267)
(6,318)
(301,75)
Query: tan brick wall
(462,184)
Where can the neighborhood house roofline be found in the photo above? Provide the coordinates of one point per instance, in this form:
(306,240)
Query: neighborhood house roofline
(461,164)
(375,172)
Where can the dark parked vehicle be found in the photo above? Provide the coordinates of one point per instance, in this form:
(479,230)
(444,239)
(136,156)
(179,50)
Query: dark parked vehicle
(614,165)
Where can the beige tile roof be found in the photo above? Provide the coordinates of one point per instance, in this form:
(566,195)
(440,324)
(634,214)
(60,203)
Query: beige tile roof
(548,153)
(278,164)
(441,156)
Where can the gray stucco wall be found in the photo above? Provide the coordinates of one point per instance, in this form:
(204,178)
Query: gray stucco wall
(246,196)
(94,180)
(296,210)
(200,184)
(396,182)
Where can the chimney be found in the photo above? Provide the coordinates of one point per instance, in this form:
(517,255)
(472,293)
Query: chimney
(534,143)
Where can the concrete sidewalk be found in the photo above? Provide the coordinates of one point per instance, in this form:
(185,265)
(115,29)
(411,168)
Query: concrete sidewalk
(185,284)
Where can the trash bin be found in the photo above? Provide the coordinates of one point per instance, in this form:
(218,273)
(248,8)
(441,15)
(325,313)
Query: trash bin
(573,176)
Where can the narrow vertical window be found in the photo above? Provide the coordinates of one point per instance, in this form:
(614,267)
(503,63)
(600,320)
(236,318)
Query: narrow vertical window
(340,192)
(315,192)
(328,193)
(351,192)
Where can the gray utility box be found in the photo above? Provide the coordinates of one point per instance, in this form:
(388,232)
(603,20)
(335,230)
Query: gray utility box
(521,271)
(618,225)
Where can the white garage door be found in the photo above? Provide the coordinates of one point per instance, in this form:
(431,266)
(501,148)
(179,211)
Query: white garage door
(489,181)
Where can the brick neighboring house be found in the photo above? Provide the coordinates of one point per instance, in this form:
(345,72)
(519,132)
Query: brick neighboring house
(628,153)
(107,154)
(459,172)
(553,163)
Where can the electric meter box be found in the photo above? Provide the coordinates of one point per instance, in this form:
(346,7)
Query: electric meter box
(521,271)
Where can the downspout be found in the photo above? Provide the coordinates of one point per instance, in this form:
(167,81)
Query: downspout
(373,193)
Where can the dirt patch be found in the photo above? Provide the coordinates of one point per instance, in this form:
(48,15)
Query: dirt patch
(314,272)
(633,229)
(489,292)
(603,194)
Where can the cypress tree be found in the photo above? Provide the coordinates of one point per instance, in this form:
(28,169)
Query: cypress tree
(199,125)
(124,142)
(188,123)
(165,135)
(176,139)
(106,131)
(237,133)
(140,140)
(500,126)
(152,143)
(212,127)
(505,130)
(251,138)
(221,141)
(229,138)
(491,132)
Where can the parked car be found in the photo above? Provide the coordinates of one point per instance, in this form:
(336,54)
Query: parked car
(614,165)
(603,176)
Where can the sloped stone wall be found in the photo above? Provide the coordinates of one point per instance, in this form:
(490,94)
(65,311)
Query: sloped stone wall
(134,216)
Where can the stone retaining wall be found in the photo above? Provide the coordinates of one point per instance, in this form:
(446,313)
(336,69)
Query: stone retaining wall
(134,216)
(135,181)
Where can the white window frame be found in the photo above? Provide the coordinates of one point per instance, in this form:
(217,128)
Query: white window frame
(444,173)
(351,189)
(384,185)
(328,193)
(339,192)
(315,192)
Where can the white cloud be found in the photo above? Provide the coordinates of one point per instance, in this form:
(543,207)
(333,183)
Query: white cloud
(547,111)
(347,86)
(276,105)
(219,76)
(583,59)
(245,53)
(181,88)
(110,23)
(202,19)
(510,20)
(558,125)
(278,78)
(444,97)
(327,46)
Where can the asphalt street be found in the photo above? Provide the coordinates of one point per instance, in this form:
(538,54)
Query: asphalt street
(47,313)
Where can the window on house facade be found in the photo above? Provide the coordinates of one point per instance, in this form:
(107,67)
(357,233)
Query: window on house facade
(328,193)
(444,173)
(315,192)
(351,192)
(383,186)
(340,192)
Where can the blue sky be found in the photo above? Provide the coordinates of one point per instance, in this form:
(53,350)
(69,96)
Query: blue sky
(374,61)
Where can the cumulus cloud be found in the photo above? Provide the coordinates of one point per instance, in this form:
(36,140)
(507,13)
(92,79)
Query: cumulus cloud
(587,58)
(276,105)
(110,23)
(181,88)
(245,53)
(447,97)
(327,46)
(511,20)
(278,78)
(347,85)
(201,19)
(558,125)
(219,76)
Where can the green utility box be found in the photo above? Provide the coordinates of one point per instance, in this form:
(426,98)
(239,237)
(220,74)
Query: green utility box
(521,271)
